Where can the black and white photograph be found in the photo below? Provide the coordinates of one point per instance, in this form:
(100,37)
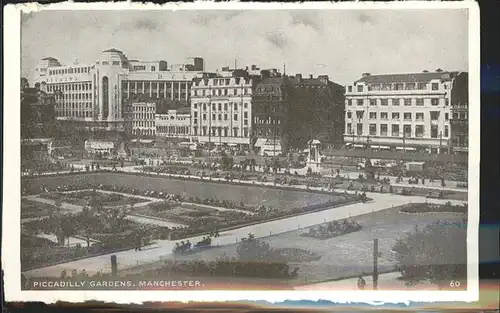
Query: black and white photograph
(233,148)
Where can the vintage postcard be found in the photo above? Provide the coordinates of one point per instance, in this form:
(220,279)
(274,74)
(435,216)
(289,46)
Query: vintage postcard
(229,151)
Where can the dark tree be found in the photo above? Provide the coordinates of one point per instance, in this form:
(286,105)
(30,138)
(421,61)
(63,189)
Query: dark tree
(436,253)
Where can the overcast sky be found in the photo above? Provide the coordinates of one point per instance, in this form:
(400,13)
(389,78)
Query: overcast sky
(342,44)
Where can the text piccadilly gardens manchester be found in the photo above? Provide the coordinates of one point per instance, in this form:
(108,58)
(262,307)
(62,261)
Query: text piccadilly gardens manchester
(64,284)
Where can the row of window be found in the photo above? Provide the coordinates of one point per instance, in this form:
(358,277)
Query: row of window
(221,92)
(407,116)
(143,68)
(162,85)
(69,87)
(144,124)
(268,120)
(396,86)
(74,96)
(123,63)
(142,108)
(73,70)
(73,105)
(184,130)
(218,106)
(220,131)
(73,113)
(172,117)
(223,81)
(396,132)
(267,131)
(144,116)
(397,102)
(183,96)
(218,117)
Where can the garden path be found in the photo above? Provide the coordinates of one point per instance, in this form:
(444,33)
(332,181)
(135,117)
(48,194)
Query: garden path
(155,252)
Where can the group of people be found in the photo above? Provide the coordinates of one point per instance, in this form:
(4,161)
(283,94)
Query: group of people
(183,247)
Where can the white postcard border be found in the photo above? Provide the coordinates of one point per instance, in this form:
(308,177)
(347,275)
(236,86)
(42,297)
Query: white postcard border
(11,166)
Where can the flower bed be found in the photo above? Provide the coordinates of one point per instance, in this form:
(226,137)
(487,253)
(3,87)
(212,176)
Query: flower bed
(416,208)
(332,229)
(33,209)
(84,197)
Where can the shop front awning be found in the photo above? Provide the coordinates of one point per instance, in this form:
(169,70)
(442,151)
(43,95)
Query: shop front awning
(406,148)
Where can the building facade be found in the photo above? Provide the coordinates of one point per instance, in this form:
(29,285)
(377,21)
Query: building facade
(460,114)
(143,119)
(316,111)
(270,114)
(174,124)
(291,110)
(37,113)
(221,110)
(400,111)
(95,93)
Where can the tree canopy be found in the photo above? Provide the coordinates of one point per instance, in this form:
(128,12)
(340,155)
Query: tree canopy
(436,253)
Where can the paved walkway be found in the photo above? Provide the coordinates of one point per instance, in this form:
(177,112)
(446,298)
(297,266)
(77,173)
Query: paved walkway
(162,248)
(142,219)
(387,281)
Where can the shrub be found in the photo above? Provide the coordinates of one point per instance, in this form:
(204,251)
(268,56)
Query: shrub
(332,229)
(414,208)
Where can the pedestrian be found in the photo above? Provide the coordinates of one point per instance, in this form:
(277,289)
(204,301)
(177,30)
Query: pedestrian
(361,282)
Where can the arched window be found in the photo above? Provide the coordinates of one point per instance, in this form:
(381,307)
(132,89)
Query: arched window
(105,97)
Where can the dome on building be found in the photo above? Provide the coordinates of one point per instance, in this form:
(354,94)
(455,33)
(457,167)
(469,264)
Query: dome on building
(113,55)
(48,62)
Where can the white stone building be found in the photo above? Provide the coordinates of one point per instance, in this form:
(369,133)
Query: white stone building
(143,119)
(400,111)
(95,93)
(221,110)
(174,123)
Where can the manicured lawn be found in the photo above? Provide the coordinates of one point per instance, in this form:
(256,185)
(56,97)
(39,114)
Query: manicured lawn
(346,255)
(32,209)
(250,195)
(82,198)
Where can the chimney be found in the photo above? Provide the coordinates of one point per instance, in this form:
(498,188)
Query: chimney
(246,68)
(365,74)
(324,79)
(254,67)
(310,76)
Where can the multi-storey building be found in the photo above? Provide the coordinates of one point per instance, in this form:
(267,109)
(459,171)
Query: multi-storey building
(316,111)
(143,119)
(270,112)
(460,114)
(221,109)
(174,124)
(291,110)
(37,113)
(400,111)
(95,93)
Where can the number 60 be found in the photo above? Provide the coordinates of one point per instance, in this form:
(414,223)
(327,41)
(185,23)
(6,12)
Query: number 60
(455,283)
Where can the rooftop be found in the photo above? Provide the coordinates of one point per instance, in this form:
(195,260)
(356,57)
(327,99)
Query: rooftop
(272,81)
(112,50)
(184,110)
(406,78)
(49,59)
